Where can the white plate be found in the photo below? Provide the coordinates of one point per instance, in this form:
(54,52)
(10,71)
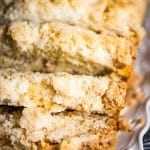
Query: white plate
(134,139)
(140,109)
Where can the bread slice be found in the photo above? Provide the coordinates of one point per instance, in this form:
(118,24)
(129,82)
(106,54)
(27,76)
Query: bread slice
(58,47)
(120,16)
(29,128)
(61,91)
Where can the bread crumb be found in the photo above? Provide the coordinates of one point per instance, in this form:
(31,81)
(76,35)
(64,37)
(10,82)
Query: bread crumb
(140,120)
(124,125)
(134,92)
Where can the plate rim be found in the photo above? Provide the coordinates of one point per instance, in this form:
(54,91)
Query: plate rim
(147,123)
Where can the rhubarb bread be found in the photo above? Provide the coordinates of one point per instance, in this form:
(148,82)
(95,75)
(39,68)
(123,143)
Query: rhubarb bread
(62,91)
(36,128)
(56,47)
(121,16)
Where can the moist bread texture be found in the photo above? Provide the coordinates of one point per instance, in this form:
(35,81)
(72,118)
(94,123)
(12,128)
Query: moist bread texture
(57,47)
(32,128)
(64,70)
(61,91)
(120,16)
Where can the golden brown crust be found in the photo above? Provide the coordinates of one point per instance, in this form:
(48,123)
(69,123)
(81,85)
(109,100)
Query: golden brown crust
(117,91)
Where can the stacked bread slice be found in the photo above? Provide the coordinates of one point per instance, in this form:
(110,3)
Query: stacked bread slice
(64,67)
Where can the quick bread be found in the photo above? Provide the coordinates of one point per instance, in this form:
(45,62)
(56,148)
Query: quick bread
(61,91)
(57,47)
(121,16)
(32,128)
